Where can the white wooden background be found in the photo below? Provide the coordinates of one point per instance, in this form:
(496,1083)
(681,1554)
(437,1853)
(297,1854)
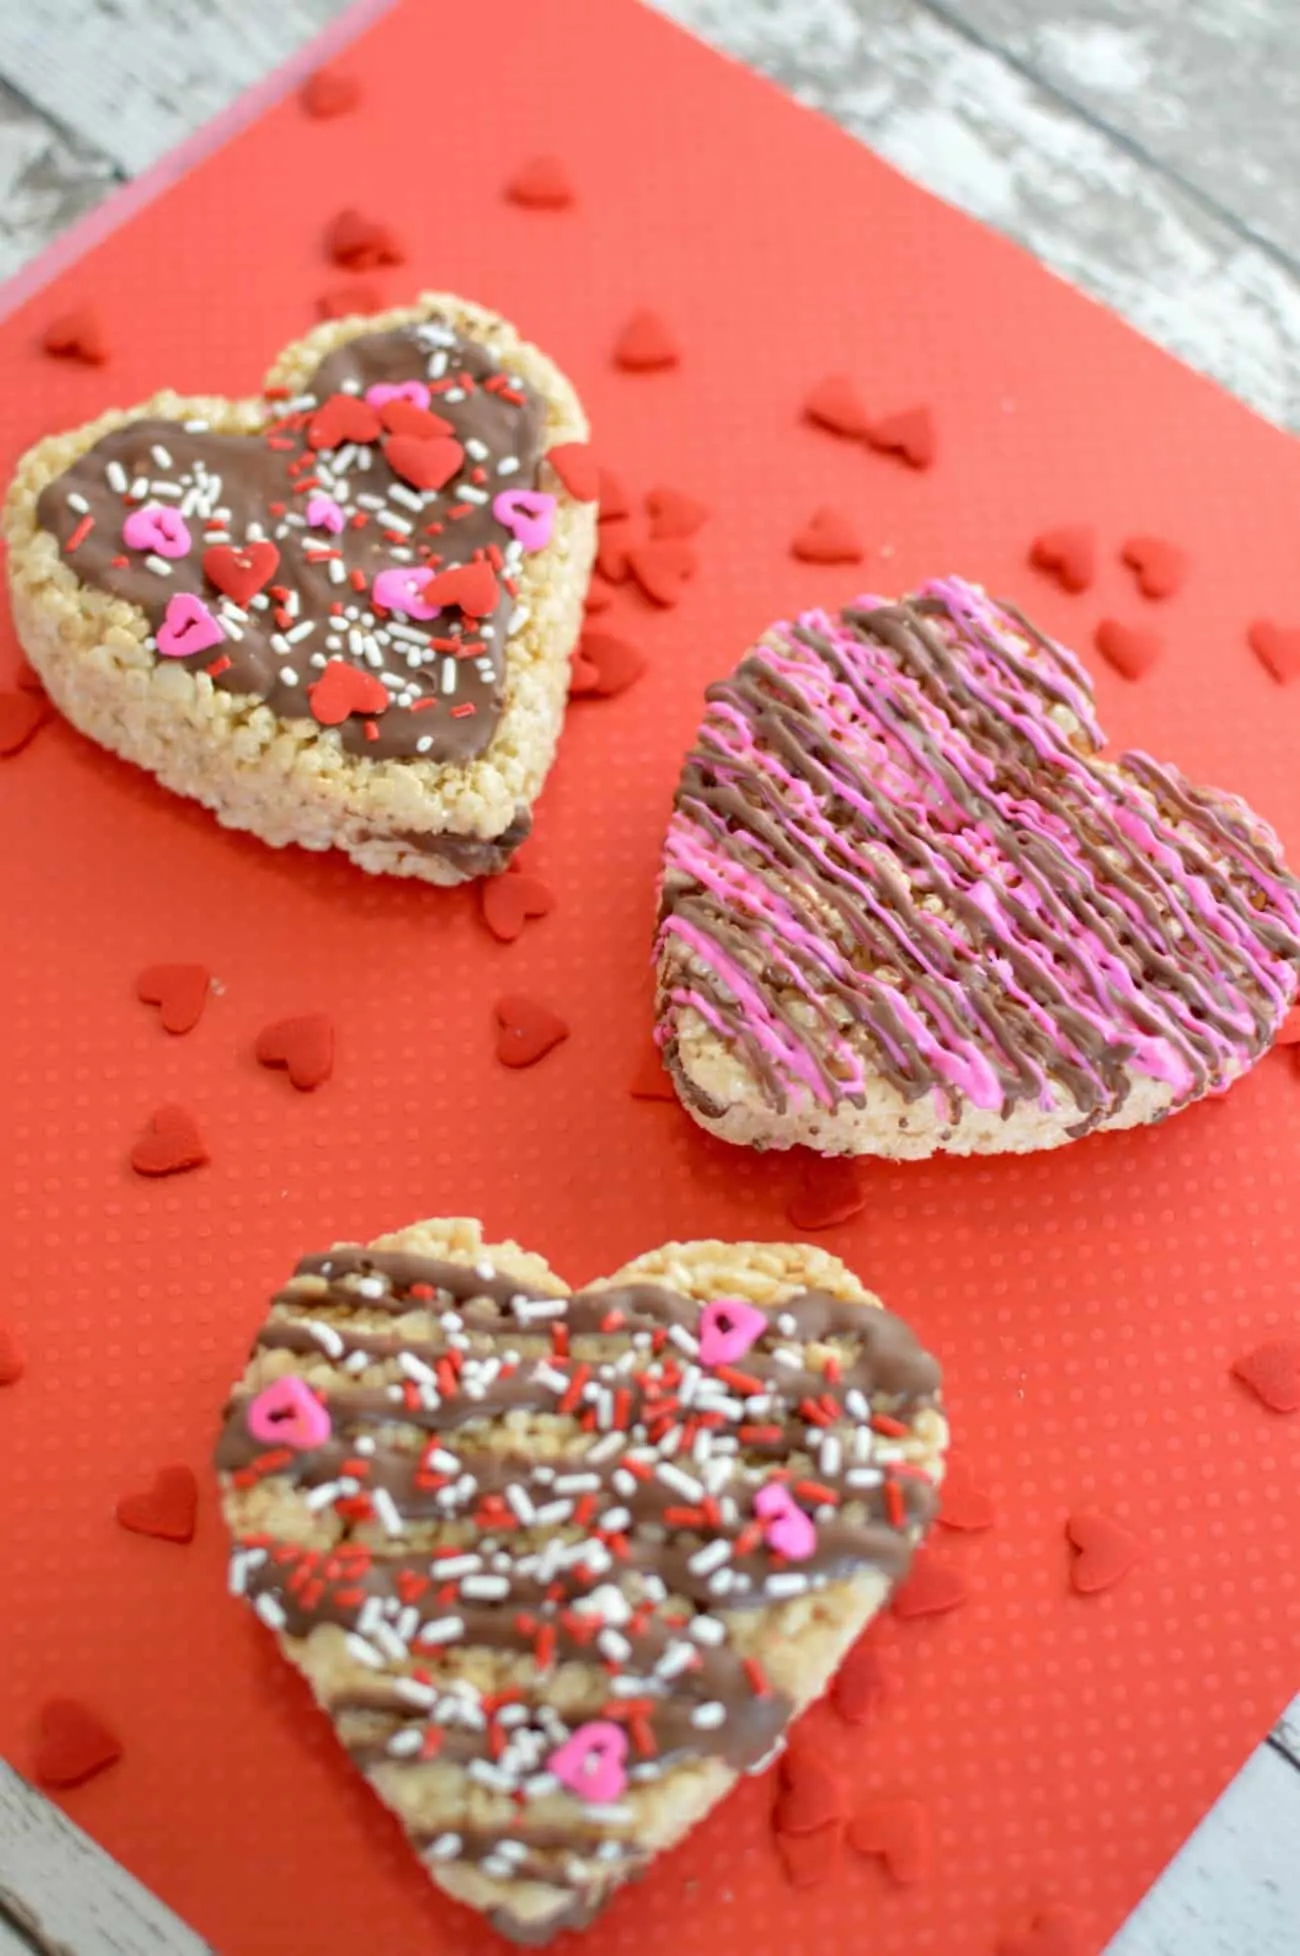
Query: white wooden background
(1148,150)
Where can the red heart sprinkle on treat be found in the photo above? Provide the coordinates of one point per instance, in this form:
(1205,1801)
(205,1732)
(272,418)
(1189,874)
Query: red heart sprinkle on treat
(344,301)
(1069,555)
(73,1745)
(22,715)
(342,418)
(612,543)
(1104,1551)
(170,1144)
(405,418)
(963,1504)
(424,464)
(526,1031)
(11,1359)
(342,690)
(1160,566)
(662,569)
(599,595)
(507,902)
(1272,1371)
(931,1587)
(329,92)
(576,465)
(910,435)
(809,1795)
(1129,649)
(899,1831)
(473,587)
(613,498)
(827,537)
(303,1046)
(603,666)
(836,404)
(831,1189)
(361,243)
(180,989)
(862,1683)
(167,1510)
(810,1859)
(650,1080)
(77,335)
(674,515)
(1049,1931)
(645,344)
(239,573)
(1277,648)
(541,184)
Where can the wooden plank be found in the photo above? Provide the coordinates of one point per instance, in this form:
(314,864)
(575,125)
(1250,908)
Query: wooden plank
(46,180)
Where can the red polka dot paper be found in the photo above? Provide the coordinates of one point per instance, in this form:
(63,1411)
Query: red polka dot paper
(1088,1305)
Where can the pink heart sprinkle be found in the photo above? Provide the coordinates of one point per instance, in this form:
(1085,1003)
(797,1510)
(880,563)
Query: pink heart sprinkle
(399,589)
(157,528)
(287,1413)
(591,1760)
(398,390)
(323,513)
(528,514)
(188,626)
(788,1529)
(728,1327)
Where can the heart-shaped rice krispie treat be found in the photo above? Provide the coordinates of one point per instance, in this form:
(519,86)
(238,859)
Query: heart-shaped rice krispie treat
(906,906)
(340,615)
(561,1566)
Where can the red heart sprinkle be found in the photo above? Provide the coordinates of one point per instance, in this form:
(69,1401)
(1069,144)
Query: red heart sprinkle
(836,404)
(1272,1371)
(73,1744)
(180,989)
(651,1081)
(77,335)
(1288,1033)
(577,468)
(507,902)
(424,464)
(1048,1931)
(645,344)
(346,301)
(674,515)
(166,1510)
(405,418)
(304,1046)
(361,243)
(329,92)
(809,1796)
(862,1683)
(240,573)
(22,715)
(810,1859)
(831,1189)
(541,184)
(343,417)
(1277,647)
(612,543)
(12,1366)
(471,586)
(1069,555)
(1128,648)
(342,690)
(169,1144)
(662,568)
(613,498)
(827,538)
(909,435)
(931,1587)
(603,666)
(599,595)
(963,1504)
(526,1031)
(1160,566)
(1105,1551)
(900,1832)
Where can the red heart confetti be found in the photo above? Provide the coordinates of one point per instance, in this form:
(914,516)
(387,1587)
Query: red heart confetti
(963,1503)
(402,417)
(77,335)
(1277,647)
(361,243)
(909,435)
(304,1046)
(342,418)
(239,573)
(650,1081)
(541,184)
(12,1365)
(863,1682)
(73,1744)
(424,464)
(831,1189)
(1069,555)
(166,1510)
(662,568)
(1128,648)
(673,514)
(827,537)
(600,595)
(508,902)
(1051,1931)
(810,1859)
(22,715)
(329,92)
(577,468)
(169,1145)
(1160,566)
(342,690)
(1272,1371)
(645,344)
(344,301)
(836,404)
(604,666)
(613,498)
(899,1831)
(473,587)
(1104,1551)
(612,543)
(526,1030)
(181,990)
(809,1795)
(931,1587)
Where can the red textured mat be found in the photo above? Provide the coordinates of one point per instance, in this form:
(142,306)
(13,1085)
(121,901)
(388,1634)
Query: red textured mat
(1088,1305)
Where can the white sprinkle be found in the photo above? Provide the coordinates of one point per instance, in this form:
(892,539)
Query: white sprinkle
(363,1652)
(678,1657)
(605,1448)
(161,459)
(539,1785)
(300,632)
(577,1484)
(476,450)
(684,1484)
(606,1601)
(709,1715)
(518,619)
(449,675)
(489,1775)
(496,1866)
(529,1310)
(485,1589)
(424,743)
(443,1630)
(445,1848)
(392,521)
(785,1583)
(437,365)
(787,1325)
(196,428)
(615,1520)
(550,1376)
(386,1508)
(408,498)
(708,1630)
(320,1497)
(389,1643)
(831,1456)
(612,1644)
(78,503)
(467,493)
(406,1743)
(449,1567)
(712,1556)
(115,476)
(454,394)
(855,1404)
(791,1360)
(356,1361)
(171,490)
(862,1444)
(140,488)
(864,1477)
(624,1483)
(446,1463)
(158,565)
(336,570)
(288,677)
(552,1516)
(597,1558)
(271,1611)
(508,465)
(519,1501)
(260,603)
(724,1582)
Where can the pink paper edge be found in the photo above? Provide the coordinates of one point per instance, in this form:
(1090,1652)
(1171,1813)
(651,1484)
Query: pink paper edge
(132,197)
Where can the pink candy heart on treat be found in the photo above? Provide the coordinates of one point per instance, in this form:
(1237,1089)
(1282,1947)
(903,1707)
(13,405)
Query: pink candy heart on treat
(787,1528)
(157,528)
(591,1761)
(400,589)
(414,391)
(287,1413)
(728,1327)
(528,514)
(188,626)
(323,513)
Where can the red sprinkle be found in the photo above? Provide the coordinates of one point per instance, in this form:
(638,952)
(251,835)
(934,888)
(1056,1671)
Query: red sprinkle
(757,1677)
(80,534)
